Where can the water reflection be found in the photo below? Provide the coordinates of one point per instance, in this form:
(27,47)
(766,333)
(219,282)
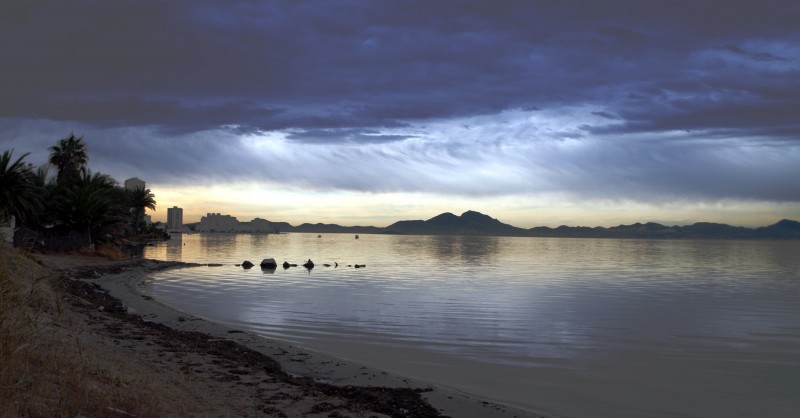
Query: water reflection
(608,325)
(447,249)
(174,247)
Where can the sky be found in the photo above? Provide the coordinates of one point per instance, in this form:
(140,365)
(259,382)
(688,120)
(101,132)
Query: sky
(368,112)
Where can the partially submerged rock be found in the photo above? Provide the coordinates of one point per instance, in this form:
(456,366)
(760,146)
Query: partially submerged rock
(246,264)
(269,263)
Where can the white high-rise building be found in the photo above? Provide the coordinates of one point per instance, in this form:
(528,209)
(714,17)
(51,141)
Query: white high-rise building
(174,218)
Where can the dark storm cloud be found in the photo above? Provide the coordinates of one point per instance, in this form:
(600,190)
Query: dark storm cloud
(196,65)
(192,75)
(664,171)
(170,115)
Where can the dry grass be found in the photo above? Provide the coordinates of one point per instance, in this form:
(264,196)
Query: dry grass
(47,367)
(66,352)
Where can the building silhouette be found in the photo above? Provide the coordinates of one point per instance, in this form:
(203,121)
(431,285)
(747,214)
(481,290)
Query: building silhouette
(174,217)
(134,183)
(217,222)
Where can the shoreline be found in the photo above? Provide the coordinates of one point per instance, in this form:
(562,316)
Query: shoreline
(121,283)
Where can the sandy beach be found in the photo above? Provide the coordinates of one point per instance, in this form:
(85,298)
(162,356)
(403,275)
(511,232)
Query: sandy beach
(187,366)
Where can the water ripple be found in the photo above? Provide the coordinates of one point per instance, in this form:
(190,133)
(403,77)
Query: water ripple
(625,315)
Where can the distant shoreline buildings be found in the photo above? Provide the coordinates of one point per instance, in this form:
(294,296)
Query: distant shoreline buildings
(217,222)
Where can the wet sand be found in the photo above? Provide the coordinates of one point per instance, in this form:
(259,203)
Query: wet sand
(237,371)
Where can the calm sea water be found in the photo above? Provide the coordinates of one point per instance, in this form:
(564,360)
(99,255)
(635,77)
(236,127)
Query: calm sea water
(568,327)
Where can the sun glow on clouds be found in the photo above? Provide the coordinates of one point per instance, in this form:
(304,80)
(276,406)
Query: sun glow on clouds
(524,167)
(277,204)
(527,168)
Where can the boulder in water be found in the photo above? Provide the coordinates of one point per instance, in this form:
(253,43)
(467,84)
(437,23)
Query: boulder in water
(246,264)
(309,264)
(269,263)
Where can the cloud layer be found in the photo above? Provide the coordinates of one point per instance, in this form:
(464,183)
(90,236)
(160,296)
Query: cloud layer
(624,100)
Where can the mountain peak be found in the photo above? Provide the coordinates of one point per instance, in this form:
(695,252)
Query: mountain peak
(479,218)
(469,223)
(443,216)
(786,224)
(471,214)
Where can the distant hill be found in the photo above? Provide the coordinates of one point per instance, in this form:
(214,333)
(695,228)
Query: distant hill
(330,228)
(476,223)
(469,223)
(784,229)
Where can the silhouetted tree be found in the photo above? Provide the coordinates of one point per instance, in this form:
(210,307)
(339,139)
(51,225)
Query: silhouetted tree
(74,198)
(91,202)
(46,186)
(140,199)
(69,157)
(19,194)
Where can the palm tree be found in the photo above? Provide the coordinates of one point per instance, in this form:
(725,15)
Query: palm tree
(47,188)
(140,199)
(19,195)
(69,157)
(90,203)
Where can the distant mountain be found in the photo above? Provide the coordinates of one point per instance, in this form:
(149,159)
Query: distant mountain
(567,232)
(469,223)
(331,228)
(713,230)
(476,223)
(487,223)
(282,226)
(784,229)
(780,230)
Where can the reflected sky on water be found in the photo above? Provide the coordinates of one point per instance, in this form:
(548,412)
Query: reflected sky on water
(575,327)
